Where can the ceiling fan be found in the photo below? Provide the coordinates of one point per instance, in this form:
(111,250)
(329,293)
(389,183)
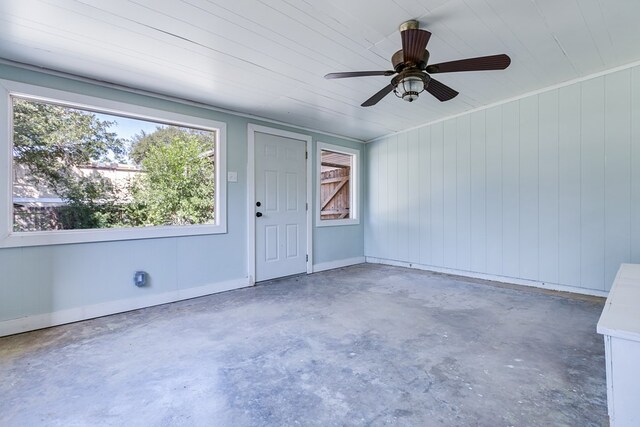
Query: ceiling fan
(413,73)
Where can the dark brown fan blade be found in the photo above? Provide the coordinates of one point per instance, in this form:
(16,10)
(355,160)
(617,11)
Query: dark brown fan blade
(414,42)
(378,96)
(482,63)
(358,74)
(441,91)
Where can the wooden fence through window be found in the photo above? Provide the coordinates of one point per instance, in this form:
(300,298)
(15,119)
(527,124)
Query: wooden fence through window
(334,193)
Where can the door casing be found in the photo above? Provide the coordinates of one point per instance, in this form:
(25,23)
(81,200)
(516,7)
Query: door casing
(251,194)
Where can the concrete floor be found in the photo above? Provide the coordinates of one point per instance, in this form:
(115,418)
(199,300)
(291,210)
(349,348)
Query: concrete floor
(364,345)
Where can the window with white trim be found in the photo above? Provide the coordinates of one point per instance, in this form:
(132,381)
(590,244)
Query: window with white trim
(85,169)
(337,185)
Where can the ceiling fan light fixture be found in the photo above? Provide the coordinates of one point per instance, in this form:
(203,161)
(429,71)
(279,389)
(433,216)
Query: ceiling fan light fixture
(410,86)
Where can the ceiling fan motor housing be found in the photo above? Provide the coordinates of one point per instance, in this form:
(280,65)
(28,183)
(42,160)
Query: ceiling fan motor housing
(398,61)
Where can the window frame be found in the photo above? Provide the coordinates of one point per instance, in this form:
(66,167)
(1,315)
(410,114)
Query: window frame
(10,238)
(354,185)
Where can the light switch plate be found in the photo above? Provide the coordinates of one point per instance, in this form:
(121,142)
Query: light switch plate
(232,176)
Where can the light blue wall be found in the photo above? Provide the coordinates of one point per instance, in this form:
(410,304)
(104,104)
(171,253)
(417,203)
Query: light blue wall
(46,279)
(546,188)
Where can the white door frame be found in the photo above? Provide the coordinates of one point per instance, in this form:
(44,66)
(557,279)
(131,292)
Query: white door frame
(251,194)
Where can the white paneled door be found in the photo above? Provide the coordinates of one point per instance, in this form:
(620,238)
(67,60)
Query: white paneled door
(280,206)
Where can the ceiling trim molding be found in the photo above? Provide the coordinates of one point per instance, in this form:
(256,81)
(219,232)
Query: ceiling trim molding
(514,98)
(184,101)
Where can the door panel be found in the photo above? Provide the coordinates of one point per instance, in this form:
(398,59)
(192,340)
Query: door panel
(271,243)
(280,171)
(292,191)
(292,240)
(270,190)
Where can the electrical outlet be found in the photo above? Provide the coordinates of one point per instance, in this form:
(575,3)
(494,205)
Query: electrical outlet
(140,278)
(232,176)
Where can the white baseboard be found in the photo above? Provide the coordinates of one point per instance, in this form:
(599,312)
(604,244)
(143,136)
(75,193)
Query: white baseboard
(491,277)
(39,321)
(330,265)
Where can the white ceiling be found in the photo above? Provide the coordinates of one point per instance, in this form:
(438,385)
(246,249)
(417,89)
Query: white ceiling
(268,58)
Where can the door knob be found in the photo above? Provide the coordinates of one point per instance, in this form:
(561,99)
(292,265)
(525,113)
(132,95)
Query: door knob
(258,214)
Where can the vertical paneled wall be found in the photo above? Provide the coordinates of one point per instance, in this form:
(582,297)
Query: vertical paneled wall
(545,188)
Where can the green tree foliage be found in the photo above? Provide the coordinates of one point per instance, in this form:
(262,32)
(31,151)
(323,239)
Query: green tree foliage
(51,141)
(177,187)
(163,135)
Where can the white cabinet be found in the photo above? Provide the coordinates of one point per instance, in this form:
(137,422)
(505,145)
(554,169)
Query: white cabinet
(620,325)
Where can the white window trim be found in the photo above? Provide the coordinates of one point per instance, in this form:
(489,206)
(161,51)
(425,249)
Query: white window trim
(354,189)
(9,238)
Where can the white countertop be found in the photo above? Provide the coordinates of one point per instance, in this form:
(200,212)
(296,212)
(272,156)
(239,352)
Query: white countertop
(621,314)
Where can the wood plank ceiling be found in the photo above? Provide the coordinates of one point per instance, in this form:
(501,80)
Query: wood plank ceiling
(268,58)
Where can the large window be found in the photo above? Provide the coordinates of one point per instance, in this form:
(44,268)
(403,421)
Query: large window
(85,169)
(337,185)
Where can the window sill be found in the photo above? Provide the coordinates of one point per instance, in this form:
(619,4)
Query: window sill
(337,222)
(45,238)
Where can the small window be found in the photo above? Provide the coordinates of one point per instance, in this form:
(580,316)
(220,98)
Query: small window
(120,175)
(337,190)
